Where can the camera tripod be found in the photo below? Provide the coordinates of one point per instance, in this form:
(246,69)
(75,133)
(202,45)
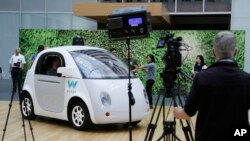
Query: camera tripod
(169,128)
(20,94)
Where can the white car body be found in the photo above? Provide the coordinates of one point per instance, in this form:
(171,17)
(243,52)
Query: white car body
(106,99)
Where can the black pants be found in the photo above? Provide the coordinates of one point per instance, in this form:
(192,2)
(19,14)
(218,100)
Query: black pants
(149,86)
(16,74)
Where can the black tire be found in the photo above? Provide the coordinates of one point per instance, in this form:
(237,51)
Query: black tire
(27,107)
(135,123)
(79,116)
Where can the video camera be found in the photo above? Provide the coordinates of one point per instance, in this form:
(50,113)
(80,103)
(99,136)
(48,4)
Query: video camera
(172,58)
(17,65)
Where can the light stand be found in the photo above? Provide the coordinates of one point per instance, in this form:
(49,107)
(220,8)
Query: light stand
(130,95)
(126,24)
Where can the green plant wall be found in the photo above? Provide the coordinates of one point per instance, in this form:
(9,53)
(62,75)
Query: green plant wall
(200,41)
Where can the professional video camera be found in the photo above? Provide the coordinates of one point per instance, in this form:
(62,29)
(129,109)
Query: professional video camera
(171,58)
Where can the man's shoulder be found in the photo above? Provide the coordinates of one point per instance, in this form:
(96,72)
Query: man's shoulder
(152,64)
(211,73)
(21,55)
(246,74)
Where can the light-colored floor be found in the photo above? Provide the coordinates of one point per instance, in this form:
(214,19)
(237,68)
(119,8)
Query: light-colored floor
(47,129)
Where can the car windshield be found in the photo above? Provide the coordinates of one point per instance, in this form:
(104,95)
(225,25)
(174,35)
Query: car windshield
(100,64)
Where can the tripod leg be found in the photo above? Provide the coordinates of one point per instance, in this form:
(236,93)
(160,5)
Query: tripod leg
(187,130)
(168,136)
(30,126)
(31,130)
(151,126)
(8,114)
(23,122)
(163,136)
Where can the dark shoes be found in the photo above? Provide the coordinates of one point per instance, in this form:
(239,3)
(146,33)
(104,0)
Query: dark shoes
(151,107)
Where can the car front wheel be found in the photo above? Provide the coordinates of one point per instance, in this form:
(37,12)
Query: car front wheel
(79,116)
(27,107)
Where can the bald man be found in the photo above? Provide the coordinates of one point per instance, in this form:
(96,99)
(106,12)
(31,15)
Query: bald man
(17,62)
(220,95)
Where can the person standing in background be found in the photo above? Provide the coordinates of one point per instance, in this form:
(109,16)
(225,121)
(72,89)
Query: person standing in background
(113,51)
(39,49)
(17,62)
(150,72)
(133,63)
(199,65)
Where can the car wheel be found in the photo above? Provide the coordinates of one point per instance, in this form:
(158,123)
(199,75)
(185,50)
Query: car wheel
(27,107)
(135,123)
(79,116)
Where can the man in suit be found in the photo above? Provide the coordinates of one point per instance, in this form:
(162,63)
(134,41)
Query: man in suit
(220,95)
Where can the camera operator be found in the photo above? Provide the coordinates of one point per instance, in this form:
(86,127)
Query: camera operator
(17,62)
(220,94)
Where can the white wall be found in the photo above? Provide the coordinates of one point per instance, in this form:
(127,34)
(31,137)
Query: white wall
(240,20)
(35,14)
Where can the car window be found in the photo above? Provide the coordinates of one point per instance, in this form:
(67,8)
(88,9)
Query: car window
(99,64)
(48,64)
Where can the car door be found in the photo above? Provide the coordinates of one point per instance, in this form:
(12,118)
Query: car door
(49,87)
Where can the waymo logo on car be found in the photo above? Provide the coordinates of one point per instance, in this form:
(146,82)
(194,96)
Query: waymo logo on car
(72,84)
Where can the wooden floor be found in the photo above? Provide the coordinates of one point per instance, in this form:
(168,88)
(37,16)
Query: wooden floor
(47,129)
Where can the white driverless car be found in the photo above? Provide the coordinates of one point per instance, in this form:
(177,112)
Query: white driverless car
(83,85)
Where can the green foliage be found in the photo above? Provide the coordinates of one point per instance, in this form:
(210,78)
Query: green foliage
(200,41)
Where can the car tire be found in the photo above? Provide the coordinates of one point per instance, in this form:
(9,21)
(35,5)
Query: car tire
(135,123)
(27,107)
(79,116)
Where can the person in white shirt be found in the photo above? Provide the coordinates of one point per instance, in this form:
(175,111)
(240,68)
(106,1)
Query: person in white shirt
(17,62)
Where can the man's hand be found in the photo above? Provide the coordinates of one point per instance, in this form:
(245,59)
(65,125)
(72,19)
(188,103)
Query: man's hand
(179,113)
(134,70)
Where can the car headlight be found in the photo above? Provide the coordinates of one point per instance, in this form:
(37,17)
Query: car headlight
(146,96)
(105,98)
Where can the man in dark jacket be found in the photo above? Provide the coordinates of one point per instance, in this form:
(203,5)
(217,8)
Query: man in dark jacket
(220,95)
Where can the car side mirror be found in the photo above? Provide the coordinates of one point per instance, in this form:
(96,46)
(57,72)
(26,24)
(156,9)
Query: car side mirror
(65,71)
